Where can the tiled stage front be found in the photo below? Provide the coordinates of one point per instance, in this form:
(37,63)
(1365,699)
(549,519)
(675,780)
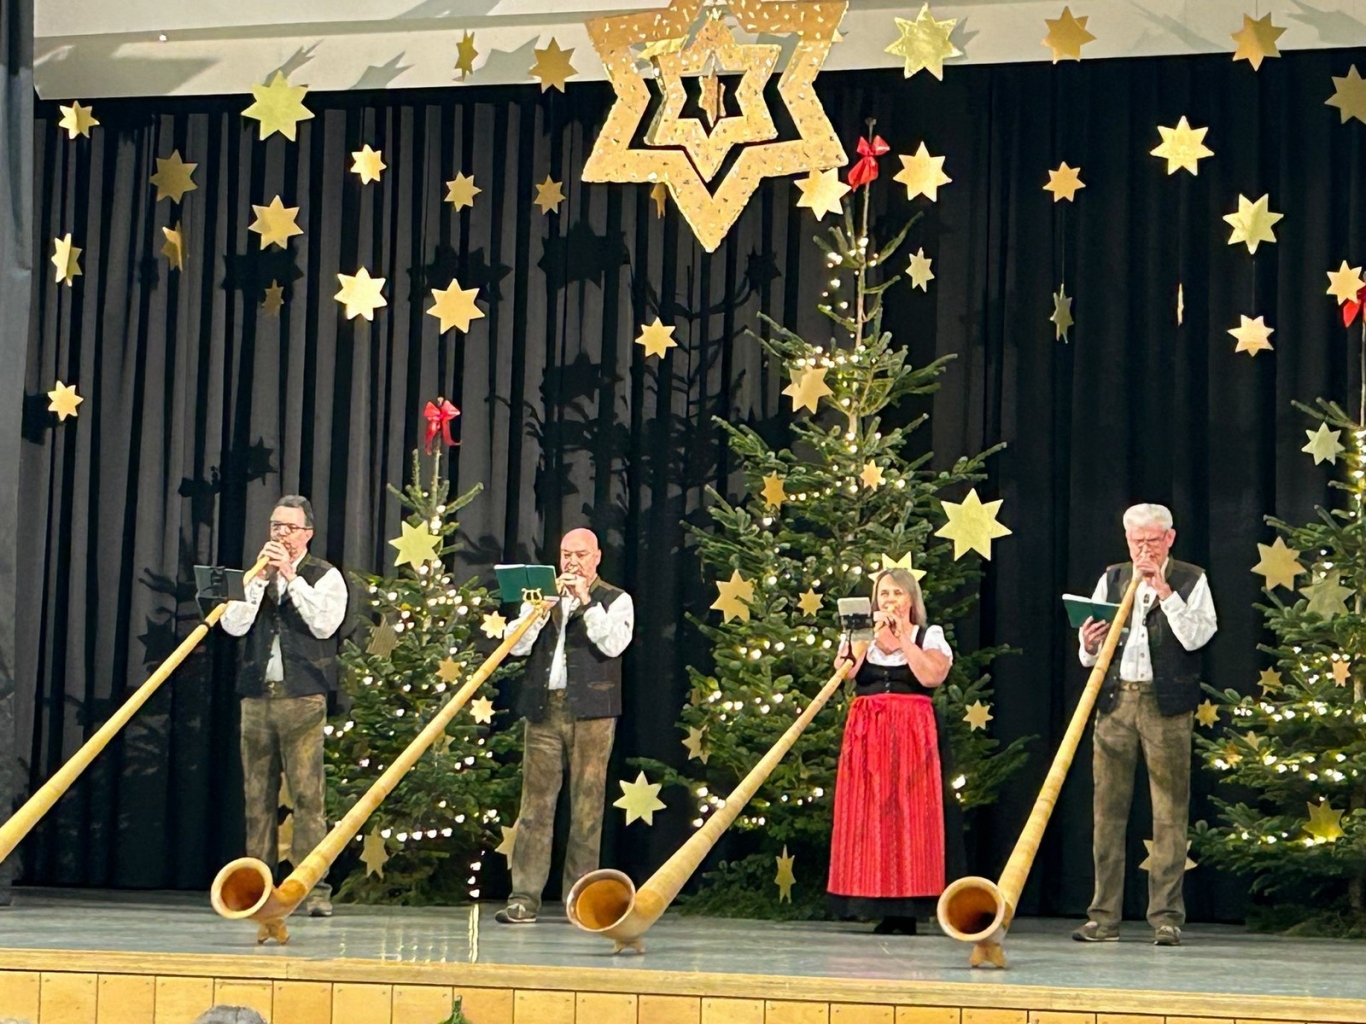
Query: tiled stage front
(109,959)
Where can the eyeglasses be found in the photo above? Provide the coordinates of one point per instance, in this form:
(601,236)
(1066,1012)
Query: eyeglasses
(1147,542)
(286,529)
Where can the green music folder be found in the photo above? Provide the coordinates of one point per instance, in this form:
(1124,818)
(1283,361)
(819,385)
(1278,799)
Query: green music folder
(1079,609)
(515,581)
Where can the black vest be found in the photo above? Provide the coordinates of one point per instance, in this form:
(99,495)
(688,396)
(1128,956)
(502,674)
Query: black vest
(1176,671)
(874,679)
(592,680)
(310,663)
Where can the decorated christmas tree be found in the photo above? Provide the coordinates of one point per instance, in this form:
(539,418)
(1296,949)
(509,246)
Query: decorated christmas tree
(427,842)
(848,496)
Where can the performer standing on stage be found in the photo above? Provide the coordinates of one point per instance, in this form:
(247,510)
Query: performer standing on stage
(288,676)
(571,698)
(1147,701)
(887,851)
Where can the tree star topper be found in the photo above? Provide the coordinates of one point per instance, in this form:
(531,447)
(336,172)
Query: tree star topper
(735,594)
(924,44)
(279,107)
(1064,183)
(552,65)
(275,223)
(455,306)
(368,164)
(1182,146)
(972,525)
(904,562)
(1257,40)
(77,120)
(1349,95)
(640,799)
(63,400)
(785,879)
(1253,335)
(360,294)
(822,193)
(417,546)
(1066,35)
(655,338)
(174,177)
(922,174)
(1252,223)
(808,387)
(1278,564)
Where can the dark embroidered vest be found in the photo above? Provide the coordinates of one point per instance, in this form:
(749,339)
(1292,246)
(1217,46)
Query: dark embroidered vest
(592,680)
(310,663)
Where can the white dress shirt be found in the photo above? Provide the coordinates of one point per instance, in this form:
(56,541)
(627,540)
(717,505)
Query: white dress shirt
(934,641)
(1192,622)
(322,606)
(609,629)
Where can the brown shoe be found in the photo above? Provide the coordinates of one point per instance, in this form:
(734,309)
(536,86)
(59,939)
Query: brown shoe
(515,913)
(1167,935)
(1093,931)
(319,906)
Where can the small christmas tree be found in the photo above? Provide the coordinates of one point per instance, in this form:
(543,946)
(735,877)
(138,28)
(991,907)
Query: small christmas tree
(427,840)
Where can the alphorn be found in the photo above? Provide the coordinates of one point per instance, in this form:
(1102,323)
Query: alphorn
(12,832)
(980,911)
(606,902)
(245,888)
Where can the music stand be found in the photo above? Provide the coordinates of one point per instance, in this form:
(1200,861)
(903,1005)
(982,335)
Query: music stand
(215,584)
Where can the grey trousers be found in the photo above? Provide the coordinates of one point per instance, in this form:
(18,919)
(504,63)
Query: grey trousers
(586,744)
(1166,743)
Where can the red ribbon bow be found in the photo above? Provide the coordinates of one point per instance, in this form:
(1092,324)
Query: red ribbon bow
(438,415)
(866,169)
(1352,307)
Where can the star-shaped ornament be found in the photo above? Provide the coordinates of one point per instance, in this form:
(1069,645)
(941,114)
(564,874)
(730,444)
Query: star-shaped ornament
(1342,671)
(77,120)
(284,835)
(659,195)
(549,195)
(871,475)
(1253,740)
(773,490)
(1325,824)
(552,66)
(1146,864)
(1257,40)
(279,107)
(1270,681)
(1279,564)
(63,400)
(274,300)
(448,670)
(373,854)
(455,307)
(733,597)
(67,259)
(1064,183)
(809,602)
(978,715)
(711,97)
(416,546)
(1062,313)
(1066,35)
(808,387)
(1345,282)
(494,625)
(361,294)
(785,879)
(1253,335)
(174,247)
(693,743)
(173,177)
(655,338)
(972,525)
(1252,223)
(924,43)
(922,174)
(1327,597)
(919,271)
(481,710)
(383,639)
(1182,147)
(368,164)
(275,223)
(1207,714)
(639,799)
(442,744)
(904,562)
(464,55)
(822,193)
(1180,304)
(508,843)
(1349,95)
(1324,445)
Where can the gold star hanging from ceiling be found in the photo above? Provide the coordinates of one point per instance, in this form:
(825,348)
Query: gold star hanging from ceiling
(460,191)
(360,294)
(481,710)
(509,841)
(808,387)
(693,743)
(711,98)
(464,55)
(1207,714)
(1349,95)
(275,223)
(978,715)
(1327,597)
(785,879)
(972,525)
(809,602)
(552,66)
(1180,303)
(1067,34)
(549,195)
(904,562)
(871,475)
(1252,223)
(373,854)
(455,306)
(656,339)
(639,799)
(1324,445)
(173,178)
(1253,335)
(448,670)
(1278,564)
(368,164)
(77,120)
(659,195)
(174,247)
(1341,672)
(1257,40)
(1270,681)
(919,271)
(1146,863)
(1062,314)
(922,174)
(733,597)
(1325,824)
(1064,183)
(63,400)
(274,300)
(1345,283)
(1182,146)
(773,490)
(924,43)
(494,625)
(279,107)
(822,193)
(67,259)
(417,546)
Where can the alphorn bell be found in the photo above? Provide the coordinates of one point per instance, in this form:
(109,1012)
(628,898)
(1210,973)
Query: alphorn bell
(12,833)
(245,888)
(980,911)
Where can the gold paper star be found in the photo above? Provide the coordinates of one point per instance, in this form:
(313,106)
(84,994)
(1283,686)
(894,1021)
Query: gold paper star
(1325,824)
(1253,222)
(174,247)
(1270,681)
(373,854)
(978,715)
(1062,313)
(448,670)
(1345,282)
(1341,672)
(1324,445)
(1253,335)
(1327,597)
(274,300)
(455,307)
(173,177)
(383,639)
(1253,740)
(1279,564)
(693,743)
(552,66)
(659,195)
(494,625)
(461,191)
(639,799)
(63,400)
(773,490)
(972,525)
(284,839)
(481,710)
(1231,753)
(67,259)
(1066,35)
(922,174)
(77,120)
(279,107)
(919,271)
(443,744)
(924,43)
(1207,714)
(1146,863)
(871,475)
(275,223)
(1257,40)
(656,339)
(904,562)
(416,546)
(1349,95)
(711,97)
(464,55)
(360,294)
(785,879)
(733,597)
(508,843)
(822,193)
(1064,182)
(810,602)
(368,163)
(549,195)
(1182,146)
(808,387)
(1180,303)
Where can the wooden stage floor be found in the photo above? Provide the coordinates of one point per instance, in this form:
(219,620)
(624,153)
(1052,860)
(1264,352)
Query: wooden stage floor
(106,958)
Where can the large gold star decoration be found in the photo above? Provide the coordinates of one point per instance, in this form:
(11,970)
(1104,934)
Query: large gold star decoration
(809,602)
(1252,223)
(549,195)
(1257,40)
(1278,564)
(1327,597)
(1270,681)
(733,597)
(368,164)
(465,54)
(1062,313)
(978,715)
(1066,35)
(1349,95)
(924,43)
(1182,146)
(417,545)
(481,710)
(972,525)
(1146,863)
(808,387)
(279,107)
(694,744)
(373,854)
(174,247)
(919,271)
(360,294)
(1325,824)
(1207,714)
(904,562)
(785,879)
(1324,445)
(77,120)
(448,670)
(639,799)
(1064,183)
(63,400)
(460,191)
(822,193)
(1342,671)
(655,338)
(871,475)
(773,490)
(494,625)
(274,299)
(922,174)
(275,223)
(173,177)
(1344,283)
(552,65)
(509,841)
(455,306)
(1253,335)
(67,259)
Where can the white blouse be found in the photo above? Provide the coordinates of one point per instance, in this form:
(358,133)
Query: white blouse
(934,641)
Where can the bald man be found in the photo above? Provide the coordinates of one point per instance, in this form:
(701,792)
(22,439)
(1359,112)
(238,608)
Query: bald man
(571,698)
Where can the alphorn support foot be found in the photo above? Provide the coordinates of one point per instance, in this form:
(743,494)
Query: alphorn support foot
(634,945)
(984,953)
(267,930)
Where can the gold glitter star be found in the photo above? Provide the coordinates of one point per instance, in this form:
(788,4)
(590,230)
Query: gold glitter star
(924,43)
(1253,335)
(552,66)
(1345,282)
(1207,714)
(1182,146)
(734,593)
(785,879)
(279,107)
(77,120)
(549,195)
(63,400)
(455,306)
(368,164)
(1252,223)
(1349,95)
(1062,313)
(972,525)
(360,294)
(173,177)
(1257,40)
(417,546)
(67,259)
(464,55)
(274,300)
(494,625)
(275,223)
(1066,35)
(871,475)
(808,387)
(822,193)
(481,710)
(922,174)
(639,799)
(773,490)
(1279,564)
(461,191)
(1064,182)
(174,247)
(978,715)
(810,602)
(919,271)
(655,338)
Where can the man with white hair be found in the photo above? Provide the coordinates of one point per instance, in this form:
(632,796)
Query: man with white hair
(1147,701)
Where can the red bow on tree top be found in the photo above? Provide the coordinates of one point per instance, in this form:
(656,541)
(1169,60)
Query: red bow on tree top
(438,415)
(1352,307)
(866,169)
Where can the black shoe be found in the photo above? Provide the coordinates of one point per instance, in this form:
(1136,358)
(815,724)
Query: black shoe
(895,925)
(515,913)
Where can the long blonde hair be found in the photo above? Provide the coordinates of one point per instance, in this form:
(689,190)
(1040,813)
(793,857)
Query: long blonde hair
(907,582)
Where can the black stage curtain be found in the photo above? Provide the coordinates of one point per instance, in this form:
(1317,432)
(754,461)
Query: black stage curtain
(201,408)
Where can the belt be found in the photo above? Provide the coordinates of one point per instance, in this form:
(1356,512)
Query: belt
(1136,685)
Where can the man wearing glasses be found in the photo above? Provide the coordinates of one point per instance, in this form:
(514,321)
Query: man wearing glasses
(288,677)
(1147,701)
